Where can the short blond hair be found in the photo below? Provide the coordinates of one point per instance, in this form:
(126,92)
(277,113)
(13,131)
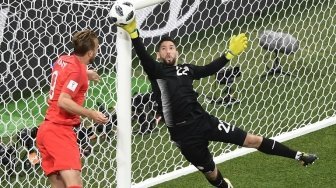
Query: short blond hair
(83,41)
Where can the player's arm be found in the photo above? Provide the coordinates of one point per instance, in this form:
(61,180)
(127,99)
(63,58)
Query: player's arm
(209,69)
(237,45)
(65,101)
(93,75)
(147,62)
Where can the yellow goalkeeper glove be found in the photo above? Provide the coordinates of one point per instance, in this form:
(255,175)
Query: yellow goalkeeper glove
(131,29)
(236,46)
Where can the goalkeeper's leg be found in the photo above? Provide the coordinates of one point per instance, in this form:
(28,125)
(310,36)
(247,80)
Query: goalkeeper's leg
(273,147)
(216,179)
(224,132)
(199,155)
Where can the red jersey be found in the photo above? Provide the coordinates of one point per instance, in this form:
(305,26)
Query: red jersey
(68,76)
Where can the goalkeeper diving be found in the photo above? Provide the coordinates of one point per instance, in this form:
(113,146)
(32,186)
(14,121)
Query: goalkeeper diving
(190,126)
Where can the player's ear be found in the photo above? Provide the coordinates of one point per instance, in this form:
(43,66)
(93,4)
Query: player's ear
(90,53)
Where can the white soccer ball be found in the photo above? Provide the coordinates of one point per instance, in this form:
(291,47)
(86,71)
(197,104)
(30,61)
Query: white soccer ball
(122,12)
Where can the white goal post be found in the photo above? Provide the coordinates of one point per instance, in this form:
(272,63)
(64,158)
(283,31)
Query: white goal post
(124,130)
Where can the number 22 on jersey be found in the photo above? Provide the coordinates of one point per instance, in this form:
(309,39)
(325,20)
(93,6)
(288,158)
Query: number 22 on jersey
(180,71)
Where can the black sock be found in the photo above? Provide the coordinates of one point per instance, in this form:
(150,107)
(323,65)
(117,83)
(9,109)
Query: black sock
(219,181)
(273,147)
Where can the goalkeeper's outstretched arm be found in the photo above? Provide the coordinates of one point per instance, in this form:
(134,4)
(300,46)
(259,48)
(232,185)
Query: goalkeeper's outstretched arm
(147,62)
(237,45)
(211,68)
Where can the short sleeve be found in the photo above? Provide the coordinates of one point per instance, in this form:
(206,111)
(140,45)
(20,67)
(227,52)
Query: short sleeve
(72,84)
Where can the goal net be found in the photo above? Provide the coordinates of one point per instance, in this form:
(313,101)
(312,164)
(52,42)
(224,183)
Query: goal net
(282,86)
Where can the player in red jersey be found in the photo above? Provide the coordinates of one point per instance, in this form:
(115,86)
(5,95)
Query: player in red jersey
(56,140)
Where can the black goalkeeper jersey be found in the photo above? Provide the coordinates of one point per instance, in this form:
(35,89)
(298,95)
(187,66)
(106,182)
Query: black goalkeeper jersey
(175,84)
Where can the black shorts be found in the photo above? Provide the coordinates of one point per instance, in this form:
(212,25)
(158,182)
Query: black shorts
(193,139)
